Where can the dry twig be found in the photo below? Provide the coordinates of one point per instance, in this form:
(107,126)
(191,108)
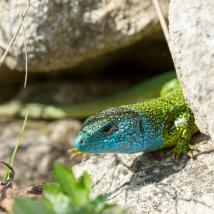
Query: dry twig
(26,56)
(162,20)
(13,40)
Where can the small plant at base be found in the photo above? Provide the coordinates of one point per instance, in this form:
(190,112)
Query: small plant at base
(67,195)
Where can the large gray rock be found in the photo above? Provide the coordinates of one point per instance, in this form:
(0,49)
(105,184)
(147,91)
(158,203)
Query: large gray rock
(192,45)
(153,183)
(63,34)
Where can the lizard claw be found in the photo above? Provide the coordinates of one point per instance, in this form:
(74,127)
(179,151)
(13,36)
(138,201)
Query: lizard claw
(194,148)
(75,153)
(175,154)
(182,149)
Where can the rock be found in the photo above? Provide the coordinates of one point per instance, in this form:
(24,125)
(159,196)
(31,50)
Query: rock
(152,183)
(192,47)
(61,34)
(43,143)
(9,193)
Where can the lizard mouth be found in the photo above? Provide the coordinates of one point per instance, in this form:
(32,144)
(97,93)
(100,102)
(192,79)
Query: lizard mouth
(125,146)
(100,147)
(119,149)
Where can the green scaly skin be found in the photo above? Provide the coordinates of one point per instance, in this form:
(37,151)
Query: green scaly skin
(155,124)
(144,91)
(176,118)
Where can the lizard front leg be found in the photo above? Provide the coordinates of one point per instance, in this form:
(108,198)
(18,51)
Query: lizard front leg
(181,136)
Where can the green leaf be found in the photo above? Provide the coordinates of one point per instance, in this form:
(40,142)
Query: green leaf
(67,195)
(59,202)
(29,206)
(99,204)
(78,191)
(84,187)
(85,182)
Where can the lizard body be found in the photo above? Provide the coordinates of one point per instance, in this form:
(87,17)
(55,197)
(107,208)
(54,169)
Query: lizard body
(155,124)
(139,93)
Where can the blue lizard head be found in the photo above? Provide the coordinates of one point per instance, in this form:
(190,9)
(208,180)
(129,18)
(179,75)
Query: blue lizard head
(115,130)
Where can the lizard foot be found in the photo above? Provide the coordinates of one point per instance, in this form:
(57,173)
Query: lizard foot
(192,149)
(182,149)
(77,154)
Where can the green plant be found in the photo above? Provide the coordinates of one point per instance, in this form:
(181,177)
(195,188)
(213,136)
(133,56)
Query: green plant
(16,148)
(66,195)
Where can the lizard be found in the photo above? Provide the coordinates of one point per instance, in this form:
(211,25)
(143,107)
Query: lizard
(155,124)
(138,93)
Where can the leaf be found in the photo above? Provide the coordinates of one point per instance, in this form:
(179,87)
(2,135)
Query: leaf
(78,191)
(67,195)
(59,202)
(99,204)
(84,186)
(29,206)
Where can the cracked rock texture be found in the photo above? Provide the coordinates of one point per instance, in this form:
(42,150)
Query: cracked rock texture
(153,183)
(61,34)
(191,27)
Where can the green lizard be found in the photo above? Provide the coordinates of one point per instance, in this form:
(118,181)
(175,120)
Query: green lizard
(155,124)
(144,91)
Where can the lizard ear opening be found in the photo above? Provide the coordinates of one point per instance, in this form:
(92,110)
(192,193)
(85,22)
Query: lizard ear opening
(141,126)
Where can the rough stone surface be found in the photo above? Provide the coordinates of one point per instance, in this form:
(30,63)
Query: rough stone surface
(152,183)
(62,34)
(192,47)
(43,143)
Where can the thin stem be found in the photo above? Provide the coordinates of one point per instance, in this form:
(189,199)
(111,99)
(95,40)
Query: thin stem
(15,35)
(16,148)
(162,20)
(26,56)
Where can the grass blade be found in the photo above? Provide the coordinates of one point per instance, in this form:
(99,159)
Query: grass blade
(16,148)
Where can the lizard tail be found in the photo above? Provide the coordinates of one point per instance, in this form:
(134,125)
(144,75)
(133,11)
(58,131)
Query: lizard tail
(143,91)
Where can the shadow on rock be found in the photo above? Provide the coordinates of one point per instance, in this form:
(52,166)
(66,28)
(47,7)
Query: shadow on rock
(154,167)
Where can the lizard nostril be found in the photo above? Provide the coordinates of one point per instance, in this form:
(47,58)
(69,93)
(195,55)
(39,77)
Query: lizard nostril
(81,142)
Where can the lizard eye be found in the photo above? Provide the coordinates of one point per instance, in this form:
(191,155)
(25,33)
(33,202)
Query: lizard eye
(108,129)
